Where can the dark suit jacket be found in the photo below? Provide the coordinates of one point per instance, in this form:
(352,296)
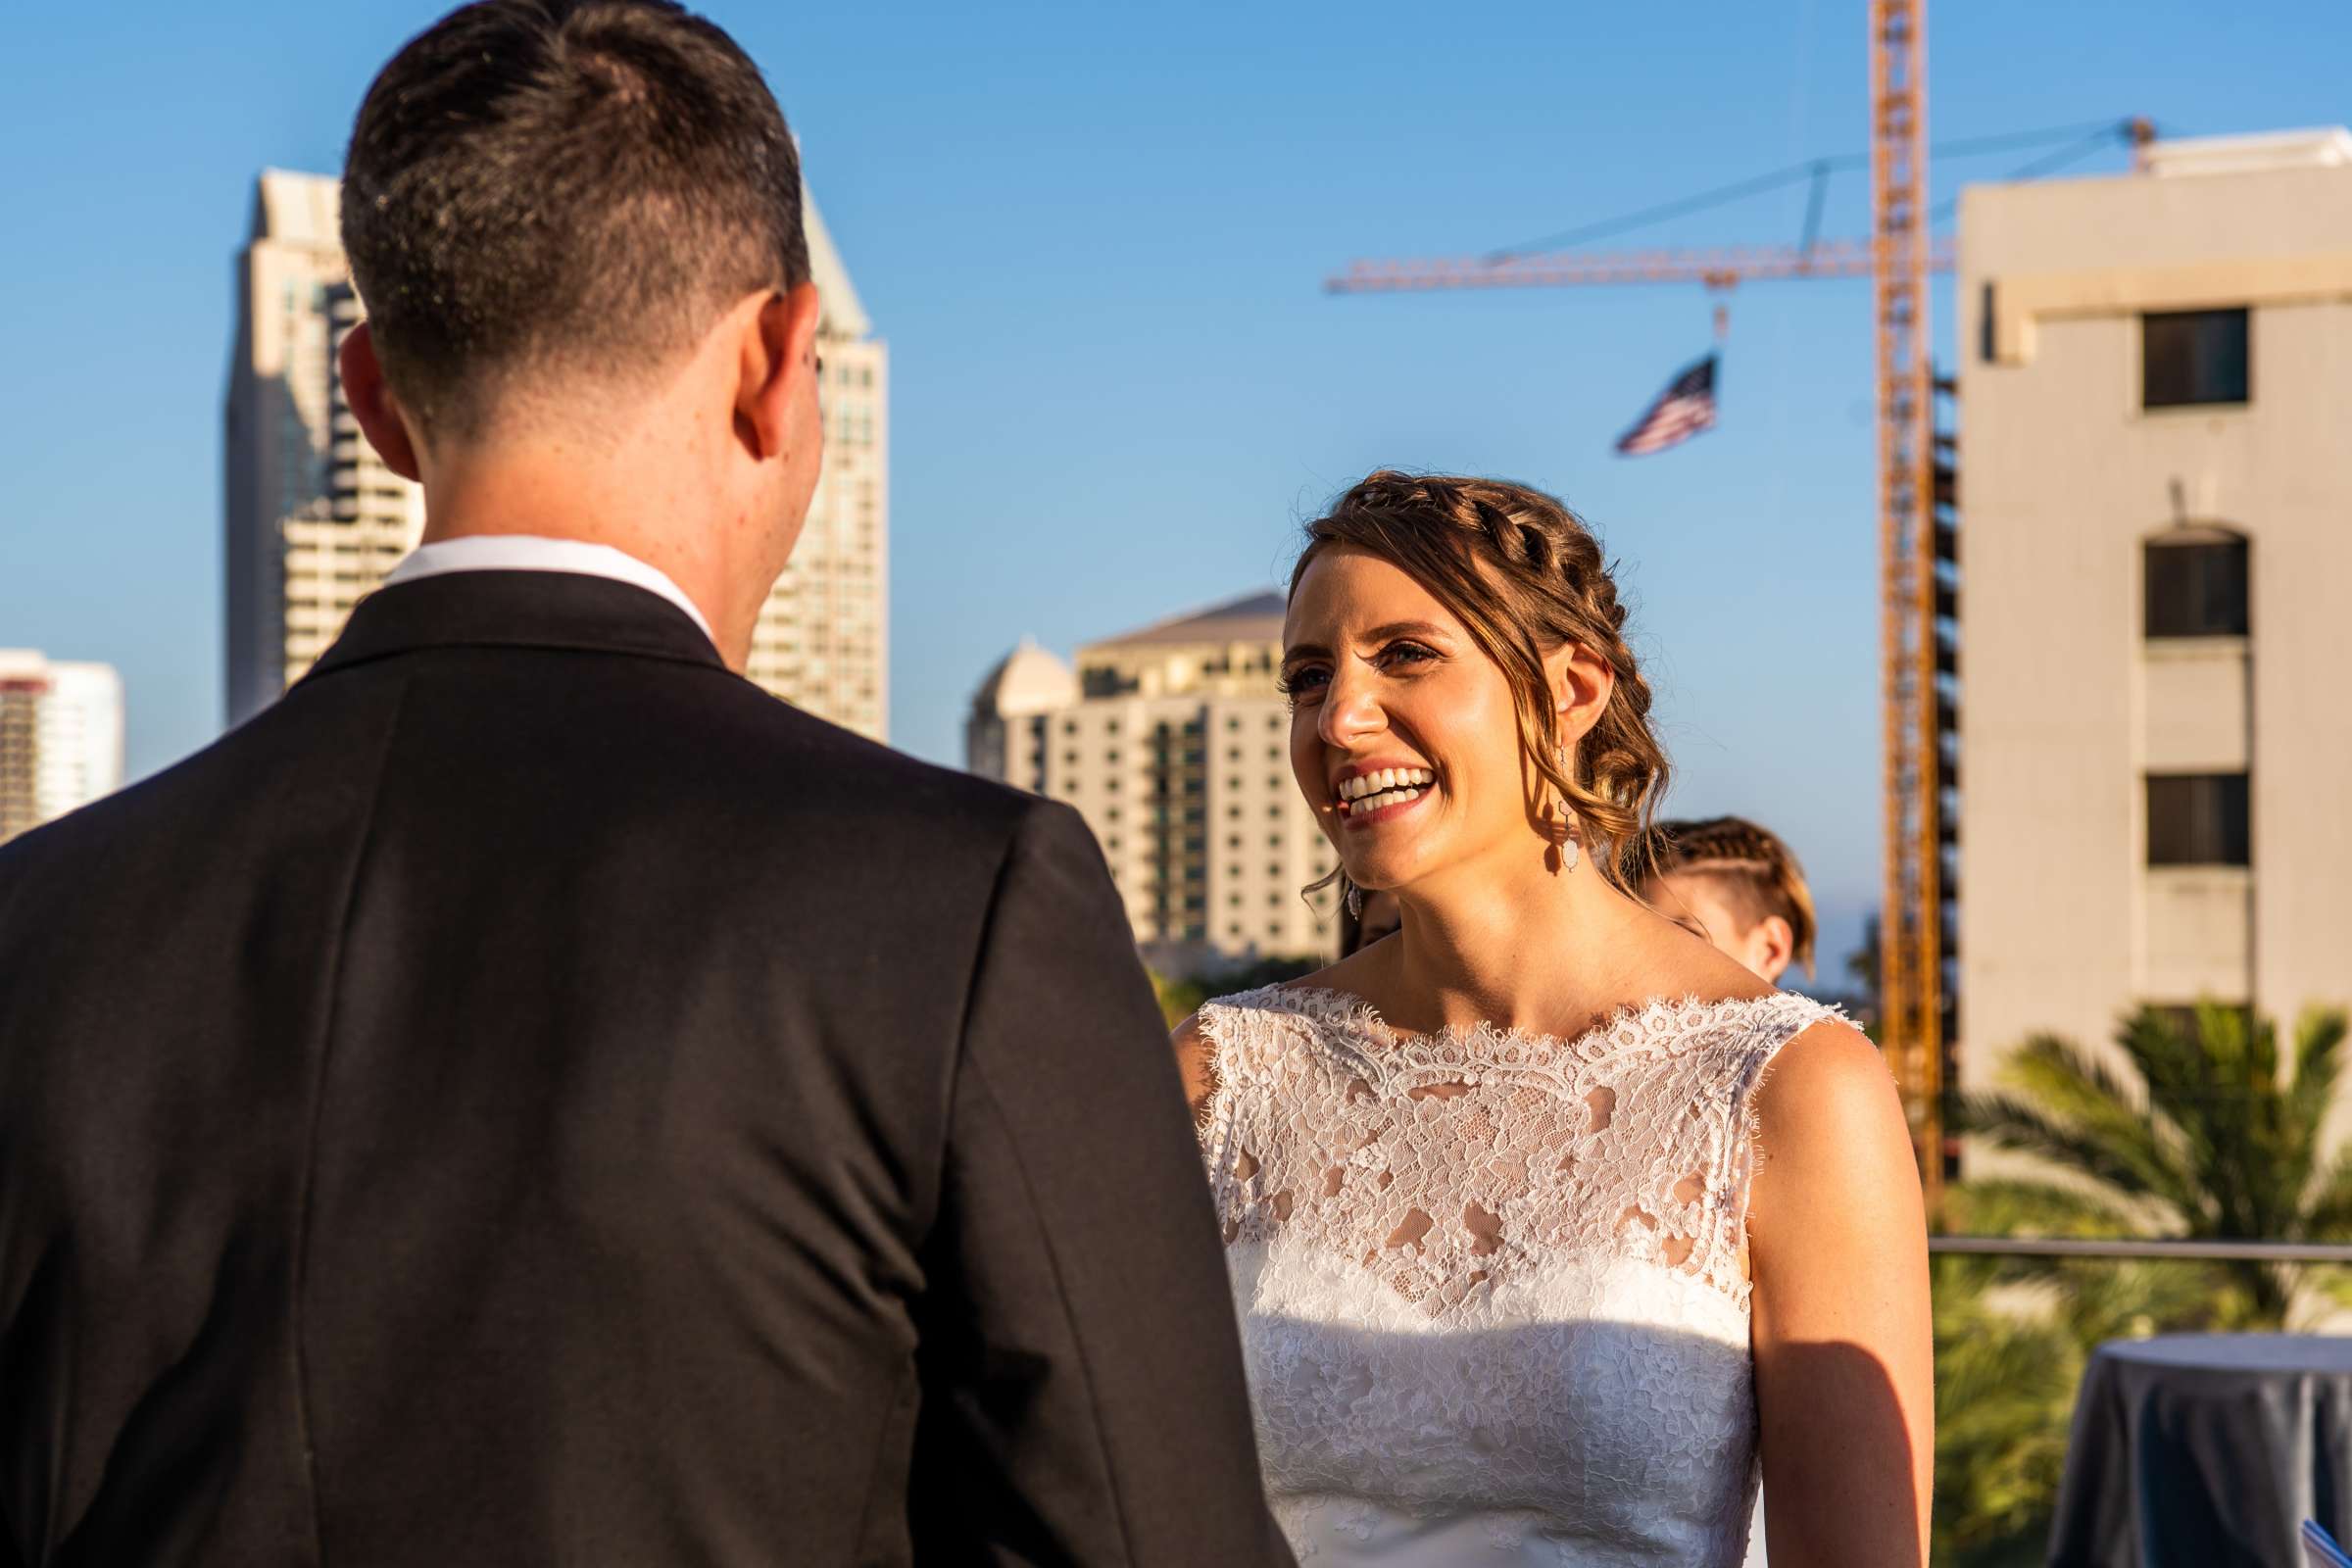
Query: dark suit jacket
(530,1098)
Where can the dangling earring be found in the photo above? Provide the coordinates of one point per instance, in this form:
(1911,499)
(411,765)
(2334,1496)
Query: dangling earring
(1355,901)
(1566,848)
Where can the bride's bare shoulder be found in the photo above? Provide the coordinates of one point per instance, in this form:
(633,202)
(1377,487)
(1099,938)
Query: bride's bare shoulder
(1828,1073)
(1831,1127)
(1196,1044)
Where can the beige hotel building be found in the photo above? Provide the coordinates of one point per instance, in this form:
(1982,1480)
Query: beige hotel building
(61,737)
(315,519)
(1173,742)
(2155,535)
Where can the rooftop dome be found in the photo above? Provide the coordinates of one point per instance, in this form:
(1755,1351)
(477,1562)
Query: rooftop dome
(1027,680)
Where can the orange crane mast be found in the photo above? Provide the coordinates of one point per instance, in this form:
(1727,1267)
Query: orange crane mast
(1913,926)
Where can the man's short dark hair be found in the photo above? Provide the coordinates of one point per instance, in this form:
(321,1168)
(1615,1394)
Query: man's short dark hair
(562,185)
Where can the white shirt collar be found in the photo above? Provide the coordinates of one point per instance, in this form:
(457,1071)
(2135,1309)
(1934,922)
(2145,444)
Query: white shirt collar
(526,552)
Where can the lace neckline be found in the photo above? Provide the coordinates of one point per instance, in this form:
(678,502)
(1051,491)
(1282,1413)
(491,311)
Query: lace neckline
(1648,1019)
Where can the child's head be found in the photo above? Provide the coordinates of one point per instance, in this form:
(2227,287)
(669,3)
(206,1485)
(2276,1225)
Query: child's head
(1737,885)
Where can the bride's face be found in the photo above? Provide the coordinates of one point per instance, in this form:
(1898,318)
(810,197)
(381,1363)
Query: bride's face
(1403,734)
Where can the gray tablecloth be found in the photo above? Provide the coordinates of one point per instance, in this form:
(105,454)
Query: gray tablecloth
(2206,1450)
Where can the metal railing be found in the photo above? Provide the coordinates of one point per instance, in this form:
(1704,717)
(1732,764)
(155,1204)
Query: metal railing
(2202,1252)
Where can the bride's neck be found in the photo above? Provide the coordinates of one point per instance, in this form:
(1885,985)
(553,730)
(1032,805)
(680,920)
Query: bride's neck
(1533,950)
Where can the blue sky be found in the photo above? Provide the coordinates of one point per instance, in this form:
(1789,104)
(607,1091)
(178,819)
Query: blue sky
(1093,238)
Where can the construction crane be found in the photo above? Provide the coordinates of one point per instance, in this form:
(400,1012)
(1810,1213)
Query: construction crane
(1917,525)
(1916,645)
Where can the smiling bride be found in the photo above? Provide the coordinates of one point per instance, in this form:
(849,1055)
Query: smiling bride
(1549,1226)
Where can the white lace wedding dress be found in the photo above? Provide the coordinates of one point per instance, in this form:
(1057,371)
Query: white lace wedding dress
(1492,1284)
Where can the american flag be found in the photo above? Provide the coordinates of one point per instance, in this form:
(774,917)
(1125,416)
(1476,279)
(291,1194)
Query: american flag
(1682,410)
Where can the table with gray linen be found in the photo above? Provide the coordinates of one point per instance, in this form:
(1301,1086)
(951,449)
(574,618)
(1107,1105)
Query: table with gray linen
(2206,1450)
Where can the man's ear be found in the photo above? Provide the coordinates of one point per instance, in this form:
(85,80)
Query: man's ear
(373,406)
(776,365)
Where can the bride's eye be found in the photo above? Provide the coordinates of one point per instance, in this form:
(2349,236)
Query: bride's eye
(1302,682)
(1407,655)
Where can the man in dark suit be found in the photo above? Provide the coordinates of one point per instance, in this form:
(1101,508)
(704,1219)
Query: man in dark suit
(528,1097)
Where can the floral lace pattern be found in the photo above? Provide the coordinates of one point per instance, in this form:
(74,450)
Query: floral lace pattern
(1492,1284)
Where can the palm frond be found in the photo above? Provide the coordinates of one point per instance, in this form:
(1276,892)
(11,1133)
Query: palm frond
(2326,1212)
(2186,1090)
(2019,1206)
(2119,1154)
(2069,1089)
(2319,1071)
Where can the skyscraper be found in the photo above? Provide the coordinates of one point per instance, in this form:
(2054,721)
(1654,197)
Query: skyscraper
(823,640)
(1173,742)
(61,737)
(315,519)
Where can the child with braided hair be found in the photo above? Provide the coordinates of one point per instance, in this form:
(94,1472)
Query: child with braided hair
(1736,884)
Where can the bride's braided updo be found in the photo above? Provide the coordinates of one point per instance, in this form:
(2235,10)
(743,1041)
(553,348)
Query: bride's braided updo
(1525,578)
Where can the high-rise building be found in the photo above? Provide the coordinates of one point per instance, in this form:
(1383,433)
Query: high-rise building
(1173,742)
(823,640)
(61,737)
(2155,746)
(315,520)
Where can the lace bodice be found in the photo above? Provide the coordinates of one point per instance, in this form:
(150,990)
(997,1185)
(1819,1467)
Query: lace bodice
(1493,1285)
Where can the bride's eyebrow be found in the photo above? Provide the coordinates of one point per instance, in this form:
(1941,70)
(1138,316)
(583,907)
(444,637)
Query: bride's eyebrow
(1299,651)
(1404,628)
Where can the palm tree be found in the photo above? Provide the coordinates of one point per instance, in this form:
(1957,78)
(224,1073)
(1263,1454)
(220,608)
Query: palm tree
(2200,1131)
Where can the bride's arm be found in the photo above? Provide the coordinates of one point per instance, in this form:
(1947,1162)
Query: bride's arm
(1844,1360)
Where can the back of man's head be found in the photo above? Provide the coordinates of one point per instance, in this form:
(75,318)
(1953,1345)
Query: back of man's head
(558,190)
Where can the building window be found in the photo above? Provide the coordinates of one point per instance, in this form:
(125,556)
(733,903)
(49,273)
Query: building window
(2192,357)
(2196,588)
(2199,819)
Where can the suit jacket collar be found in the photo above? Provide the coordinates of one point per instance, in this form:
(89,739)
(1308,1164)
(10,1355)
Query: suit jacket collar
(517,609)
